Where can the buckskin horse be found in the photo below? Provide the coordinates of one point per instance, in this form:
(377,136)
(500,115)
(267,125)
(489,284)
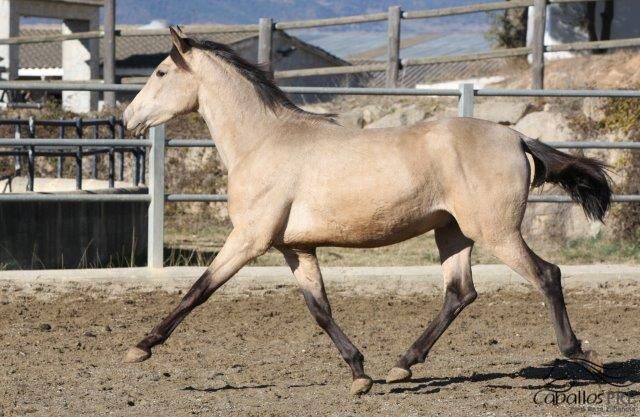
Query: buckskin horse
(299,180)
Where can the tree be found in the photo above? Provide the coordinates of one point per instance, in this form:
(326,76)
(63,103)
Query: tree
(509,28)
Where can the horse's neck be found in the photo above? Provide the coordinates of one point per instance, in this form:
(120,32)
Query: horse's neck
(232,127)
(238,120)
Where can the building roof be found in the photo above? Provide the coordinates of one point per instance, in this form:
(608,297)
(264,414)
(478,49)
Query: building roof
(409,77)
(131,51)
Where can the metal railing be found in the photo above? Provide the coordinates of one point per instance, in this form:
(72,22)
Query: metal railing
(157,142)
(77,148)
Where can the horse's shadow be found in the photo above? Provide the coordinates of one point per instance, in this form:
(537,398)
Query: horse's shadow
(227,387)
(557,375)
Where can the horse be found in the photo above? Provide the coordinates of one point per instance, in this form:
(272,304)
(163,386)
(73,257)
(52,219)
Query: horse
(298,181)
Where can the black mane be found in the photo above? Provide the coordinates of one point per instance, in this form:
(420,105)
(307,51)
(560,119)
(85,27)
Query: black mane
(269,93)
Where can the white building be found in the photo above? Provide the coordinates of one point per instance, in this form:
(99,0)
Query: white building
(78,57)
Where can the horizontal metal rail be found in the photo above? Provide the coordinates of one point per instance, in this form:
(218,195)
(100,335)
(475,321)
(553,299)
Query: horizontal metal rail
(628,198)
(485,92)
(208,143)
(366,91)
(73,198)
(216,198)
(68,86)
(115,143)
(491,92)
(195,198)
(594,145)
(190,143)
(65,122)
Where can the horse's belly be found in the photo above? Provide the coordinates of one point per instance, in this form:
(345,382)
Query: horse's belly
(360,226)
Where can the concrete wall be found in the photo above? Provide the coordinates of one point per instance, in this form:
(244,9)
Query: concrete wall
(72,235)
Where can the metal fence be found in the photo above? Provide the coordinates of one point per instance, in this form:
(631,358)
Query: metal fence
(26,147)
(157,142)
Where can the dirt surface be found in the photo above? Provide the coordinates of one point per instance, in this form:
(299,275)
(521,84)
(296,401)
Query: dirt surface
(258,352)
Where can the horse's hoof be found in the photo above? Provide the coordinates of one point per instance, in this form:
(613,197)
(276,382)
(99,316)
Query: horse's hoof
(590,360)
(135,354)
(361,386)
(398,375)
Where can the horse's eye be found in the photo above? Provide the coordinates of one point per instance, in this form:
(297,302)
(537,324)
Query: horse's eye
(160,73)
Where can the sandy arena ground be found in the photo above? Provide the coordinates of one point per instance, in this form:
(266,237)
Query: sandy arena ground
(253,350)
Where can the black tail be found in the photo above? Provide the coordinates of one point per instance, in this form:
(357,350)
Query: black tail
(585,179)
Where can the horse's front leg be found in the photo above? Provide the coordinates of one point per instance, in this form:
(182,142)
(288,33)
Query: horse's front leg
(239,248)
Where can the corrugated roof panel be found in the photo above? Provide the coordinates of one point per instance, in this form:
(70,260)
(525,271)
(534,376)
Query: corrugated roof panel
(130,50)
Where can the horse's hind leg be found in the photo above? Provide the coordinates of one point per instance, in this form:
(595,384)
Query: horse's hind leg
(455,255)
(304,265)
(515,253)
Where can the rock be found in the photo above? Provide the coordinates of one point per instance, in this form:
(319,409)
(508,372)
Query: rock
(593,108)
(315,108)
(45,327)
(545,126)
(371,113)
(352,118)
(558,221)
(88,334)
(401,117)
(503,112)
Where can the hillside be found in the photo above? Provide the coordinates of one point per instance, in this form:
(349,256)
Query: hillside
(249,11)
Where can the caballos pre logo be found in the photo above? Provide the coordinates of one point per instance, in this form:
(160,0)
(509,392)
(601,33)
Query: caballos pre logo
(590,388)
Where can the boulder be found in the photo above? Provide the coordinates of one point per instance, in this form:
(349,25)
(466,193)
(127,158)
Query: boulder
(545,126)
(503,112)
(593,108)
(351,118)
(314,108)
(371,113)
(401,117)
(558,222)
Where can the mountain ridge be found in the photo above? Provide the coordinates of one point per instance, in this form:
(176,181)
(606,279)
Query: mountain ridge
(249,11)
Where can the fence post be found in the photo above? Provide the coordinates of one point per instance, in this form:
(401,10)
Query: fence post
(465,102)
(537,44)
(155,233)
(265,37)
(109,53)
(393,51)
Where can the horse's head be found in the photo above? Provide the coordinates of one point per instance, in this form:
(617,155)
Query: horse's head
(171,90)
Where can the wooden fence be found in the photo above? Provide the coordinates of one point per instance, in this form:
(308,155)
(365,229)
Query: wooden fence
(393,17)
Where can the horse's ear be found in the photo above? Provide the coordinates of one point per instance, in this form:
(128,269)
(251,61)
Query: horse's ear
(180,42)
